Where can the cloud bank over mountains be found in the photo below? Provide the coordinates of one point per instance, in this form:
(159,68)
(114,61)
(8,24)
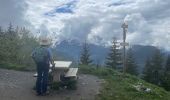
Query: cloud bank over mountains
(98,21)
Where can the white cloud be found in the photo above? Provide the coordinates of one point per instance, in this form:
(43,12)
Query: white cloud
(13,11)
(98,20)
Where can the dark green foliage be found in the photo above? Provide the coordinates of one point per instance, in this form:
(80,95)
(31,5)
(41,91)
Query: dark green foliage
(85,55)
(13,66)
(101,72)
(70,84)
(9,44)
(131,66)
(166,81)
(154,69)
(147,75)
(167,66)
(166,77)
(16,47)
(56,85)
(27,44)
(114,57)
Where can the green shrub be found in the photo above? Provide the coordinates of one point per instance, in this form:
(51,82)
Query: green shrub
(56,85)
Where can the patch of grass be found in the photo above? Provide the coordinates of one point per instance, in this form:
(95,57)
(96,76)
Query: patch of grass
(13,67)
(56,85)
(101,72)
(68,98)
(119,87)
(71,85)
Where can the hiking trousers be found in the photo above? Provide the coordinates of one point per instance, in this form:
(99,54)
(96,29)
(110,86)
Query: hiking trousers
(42,78)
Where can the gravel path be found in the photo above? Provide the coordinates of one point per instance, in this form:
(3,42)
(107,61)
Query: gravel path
(16,85)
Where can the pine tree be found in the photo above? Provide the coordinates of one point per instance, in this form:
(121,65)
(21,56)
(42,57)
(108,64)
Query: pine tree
(166,78)
(167,66)
(154,70)
(1,31)
(147,71)
(12,43)
(26,44)
(131,66)
(85,55)
(98,63)
(157,67)
(114,57)
(2,53)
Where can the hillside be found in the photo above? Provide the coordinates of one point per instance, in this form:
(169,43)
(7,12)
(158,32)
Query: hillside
(70,49)
(118,87)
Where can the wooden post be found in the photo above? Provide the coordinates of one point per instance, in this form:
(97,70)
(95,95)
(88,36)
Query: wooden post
(124,26)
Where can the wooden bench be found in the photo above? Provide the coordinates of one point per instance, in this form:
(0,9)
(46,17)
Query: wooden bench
(60,67)
(63,73)
(62,64)
(72,72)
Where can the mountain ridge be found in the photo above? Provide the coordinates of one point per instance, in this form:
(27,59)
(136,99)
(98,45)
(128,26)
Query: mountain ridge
(72,49)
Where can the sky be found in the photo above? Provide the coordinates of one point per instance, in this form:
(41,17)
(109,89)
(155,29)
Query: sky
(96,21)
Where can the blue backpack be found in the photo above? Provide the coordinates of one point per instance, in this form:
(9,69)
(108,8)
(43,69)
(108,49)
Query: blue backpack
(40,54)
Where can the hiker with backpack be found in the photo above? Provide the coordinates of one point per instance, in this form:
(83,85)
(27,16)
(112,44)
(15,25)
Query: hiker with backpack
(43,57)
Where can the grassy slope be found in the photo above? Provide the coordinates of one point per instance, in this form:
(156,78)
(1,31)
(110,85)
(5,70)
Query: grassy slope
(12,66)
(118,87)
(18,67)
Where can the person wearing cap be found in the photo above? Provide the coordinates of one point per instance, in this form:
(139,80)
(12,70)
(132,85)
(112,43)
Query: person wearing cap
(42,56)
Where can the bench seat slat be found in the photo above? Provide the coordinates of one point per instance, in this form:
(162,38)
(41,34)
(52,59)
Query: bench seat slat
(72,72)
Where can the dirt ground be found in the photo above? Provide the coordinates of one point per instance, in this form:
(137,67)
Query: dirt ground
(16,85)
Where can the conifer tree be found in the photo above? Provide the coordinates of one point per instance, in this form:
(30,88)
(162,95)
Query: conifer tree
(167,66)
(131,66)
(114,57)
(157,67)
(85,55)
(147,71)
(154,71)
(1,45)
(98,63)
(166,78)
(1,31)
(12,43)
